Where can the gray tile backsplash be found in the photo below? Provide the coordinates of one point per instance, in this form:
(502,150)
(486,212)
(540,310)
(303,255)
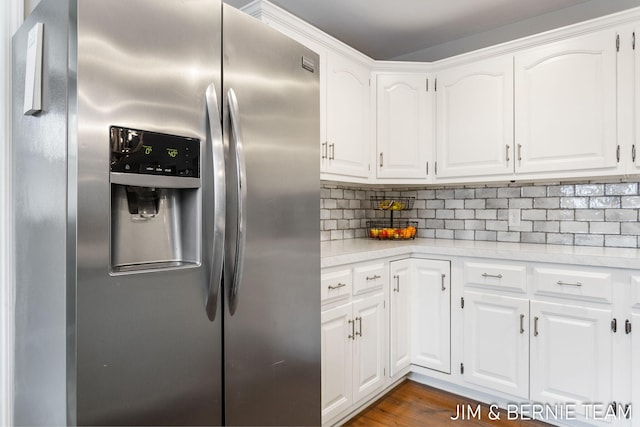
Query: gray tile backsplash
(581,214)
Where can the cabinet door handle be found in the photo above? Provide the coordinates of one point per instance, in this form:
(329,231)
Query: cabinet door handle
(397,288)
(497,276)
(535,326)
(333,151)
(444,288)
(359,319)
(627,326)
(374,277)
(522,323)
(325,150)
(353,330)
(562,283)
(339,285)
(507,152)
(381,159)
(519,152)
(633,152)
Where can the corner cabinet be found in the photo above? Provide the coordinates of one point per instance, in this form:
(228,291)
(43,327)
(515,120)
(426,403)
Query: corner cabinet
(346,148)
(474,121)
(566,107)
(404,126)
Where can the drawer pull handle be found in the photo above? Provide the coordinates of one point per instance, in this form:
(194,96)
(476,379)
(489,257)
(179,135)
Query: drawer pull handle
(497,276)
(374,277)
(561,283)
(522,323)
(338,286)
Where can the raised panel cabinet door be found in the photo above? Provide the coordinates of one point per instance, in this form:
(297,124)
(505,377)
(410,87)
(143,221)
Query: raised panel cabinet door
(571,354)
(496,343)
(368,351)
(403,125)
(400,317)
(431,315)
(337,356)
(565,106)
(348,112)
(635,368)
(474,120)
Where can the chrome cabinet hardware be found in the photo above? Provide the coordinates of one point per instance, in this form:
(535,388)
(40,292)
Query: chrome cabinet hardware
(519,152)
(563,283)
(618,154)
(339,285)
(633,152)
(614,325)
(444,288)
(381,159)
(333,151)
(353,330)
(522,323)
(497,276)
(359,320)
(627,326)
(325,150)
(374,277)
(535,326)
(507,151)
(397,288)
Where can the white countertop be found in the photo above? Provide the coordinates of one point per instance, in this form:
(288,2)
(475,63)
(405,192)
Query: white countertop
(338,252)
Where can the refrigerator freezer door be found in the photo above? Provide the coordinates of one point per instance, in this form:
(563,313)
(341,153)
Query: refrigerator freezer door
(147,352)
(272,332)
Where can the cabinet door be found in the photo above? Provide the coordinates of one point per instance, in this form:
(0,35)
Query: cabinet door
(431,315)
(337,348)
(400,317)
(496,343)
(368,351)
(348,111)
(571,354)
(635,368)
(404,126)
(565,106)
(474,120)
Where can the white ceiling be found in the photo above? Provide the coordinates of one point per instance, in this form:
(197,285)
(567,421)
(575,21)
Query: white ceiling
(389,29)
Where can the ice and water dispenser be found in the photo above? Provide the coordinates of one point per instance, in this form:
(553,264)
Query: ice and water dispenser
(155,215)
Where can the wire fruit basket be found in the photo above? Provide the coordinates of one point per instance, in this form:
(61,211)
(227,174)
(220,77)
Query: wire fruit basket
(392,230)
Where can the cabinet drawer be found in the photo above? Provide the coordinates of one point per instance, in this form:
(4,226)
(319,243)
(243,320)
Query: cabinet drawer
(336,284)
(499,276)
(575,284)
(370,276)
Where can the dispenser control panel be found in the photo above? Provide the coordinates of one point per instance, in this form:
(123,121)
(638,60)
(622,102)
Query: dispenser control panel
(152,153)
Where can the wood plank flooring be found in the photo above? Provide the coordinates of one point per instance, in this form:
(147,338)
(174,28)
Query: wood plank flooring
(411,404)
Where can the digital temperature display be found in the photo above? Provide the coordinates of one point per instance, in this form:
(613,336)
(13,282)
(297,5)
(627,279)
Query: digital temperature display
(146,152)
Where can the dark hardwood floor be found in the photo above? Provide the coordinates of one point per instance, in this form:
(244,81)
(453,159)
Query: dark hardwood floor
(416,405)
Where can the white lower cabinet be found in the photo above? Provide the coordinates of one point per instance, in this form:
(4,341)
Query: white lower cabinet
(352,353)
(496,342)
(635,368)
(571,354)
(400,318)
(431,314)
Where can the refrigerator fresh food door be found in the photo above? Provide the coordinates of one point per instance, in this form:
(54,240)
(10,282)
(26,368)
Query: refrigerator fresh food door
(272,261)
(147,351)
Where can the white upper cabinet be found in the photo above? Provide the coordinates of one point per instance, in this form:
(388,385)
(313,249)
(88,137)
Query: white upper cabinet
(565,107)
(404,126)
(474,121)
(346,148)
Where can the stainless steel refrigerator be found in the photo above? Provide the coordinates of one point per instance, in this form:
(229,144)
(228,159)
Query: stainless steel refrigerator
(165,193)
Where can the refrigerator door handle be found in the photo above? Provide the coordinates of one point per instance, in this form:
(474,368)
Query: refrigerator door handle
(217,200)
(235,137)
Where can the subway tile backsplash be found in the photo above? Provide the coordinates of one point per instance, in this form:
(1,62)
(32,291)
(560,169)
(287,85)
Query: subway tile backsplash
(581,214)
